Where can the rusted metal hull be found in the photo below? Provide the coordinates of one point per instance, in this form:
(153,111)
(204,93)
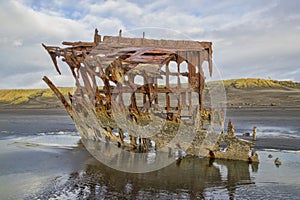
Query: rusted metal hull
(143,94)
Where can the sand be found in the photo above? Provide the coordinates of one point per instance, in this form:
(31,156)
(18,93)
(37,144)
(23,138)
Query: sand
(263,98)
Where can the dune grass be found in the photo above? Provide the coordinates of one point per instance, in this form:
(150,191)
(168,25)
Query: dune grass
(20,96)
(257,83)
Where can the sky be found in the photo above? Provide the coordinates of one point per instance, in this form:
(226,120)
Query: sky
(251,39)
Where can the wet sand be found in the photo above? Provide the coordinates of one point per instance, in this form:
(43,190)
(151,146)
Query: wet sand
(27,169)
(43,172)
(276,143)
(261,98)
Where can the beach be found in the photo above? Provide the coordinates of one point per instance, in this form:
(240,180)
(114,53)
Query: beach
(42,158)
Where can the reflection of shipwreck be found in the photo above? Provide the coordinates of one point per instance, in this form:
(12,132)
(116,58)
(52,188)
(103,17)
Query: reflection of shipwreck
(138,93)
(198,177)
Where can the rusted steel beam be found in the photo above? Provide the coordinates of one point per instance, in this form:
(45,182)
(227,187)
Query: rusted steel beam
(183,99)
(155,91)
(52,52)
(79,44)
(59,95)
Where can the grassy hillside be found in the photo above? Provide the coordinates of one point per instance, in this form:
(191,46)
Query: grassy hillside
(258,83)
(46,96)
(21,96)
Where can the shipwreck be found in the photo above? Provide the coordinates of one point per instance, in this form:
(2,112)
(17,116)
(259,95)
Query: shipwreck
(145,95)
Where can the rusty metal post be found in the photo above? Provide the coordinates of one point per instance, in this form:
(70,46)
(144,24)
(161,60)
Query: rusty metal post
(155,91)
(59,95)
(183,100)
(254,133)
(199,65)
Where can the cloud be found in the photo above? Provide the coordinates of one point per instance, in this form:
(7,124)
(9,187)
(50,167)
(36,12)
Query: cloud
(257,38)
(264,43)
(6,41)
(23,31)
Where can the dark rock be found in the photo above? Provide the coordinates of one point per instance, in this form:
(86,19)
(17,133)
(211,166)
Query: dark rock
(246,134)
(277,162)
(270,156)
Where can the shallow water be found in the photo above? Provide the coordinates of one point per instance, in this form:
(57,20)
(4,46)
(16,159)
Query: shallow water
(43,160)
(269,123)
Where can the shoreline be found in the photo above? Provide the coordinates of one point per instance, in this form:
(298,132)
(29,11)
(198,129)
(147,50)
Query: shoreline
(280,143)
(28,106)
(283,142)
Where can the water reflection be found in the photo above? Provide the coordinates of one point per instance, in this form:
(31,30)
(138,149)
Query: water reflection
(191,178)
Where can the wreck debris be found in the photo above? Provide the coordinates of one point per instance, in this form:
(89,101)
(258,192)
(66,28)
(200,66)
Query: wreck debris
(254,156)
(134,92)
(254,133)
(247,134)
(230,129)
(237,149)
(270,156)
(59,96)
(277,162)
